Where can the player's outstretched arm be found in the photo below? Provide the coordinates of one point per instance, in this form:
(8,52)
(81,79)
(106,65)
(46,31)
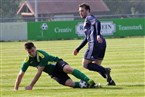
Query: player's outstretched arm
(84,42)
(37,76)
(18,80)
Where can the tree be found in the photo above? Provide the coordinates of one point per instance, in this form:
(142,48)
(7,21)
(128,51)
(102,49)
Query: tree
(8,8)
(139,6)
(126,6)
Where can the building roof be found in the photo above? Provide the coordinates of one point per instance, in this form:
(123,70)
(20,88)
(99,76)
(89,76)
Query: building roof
(61,6)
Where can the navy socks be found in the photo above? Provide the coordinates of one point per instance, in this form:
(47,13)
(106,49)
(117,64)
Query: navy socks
(97,68)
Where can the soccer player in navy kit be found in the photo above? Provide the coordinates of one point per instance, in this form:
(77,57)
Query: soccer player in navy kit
(58,71)
(96,44)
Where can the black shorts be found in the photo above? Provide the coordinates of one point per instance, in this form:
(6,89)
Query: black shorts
(58,74)
(95,51)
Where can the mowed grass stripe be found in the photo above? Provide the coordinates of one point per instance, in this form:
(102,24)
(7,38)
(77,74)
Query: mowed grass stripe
(124,55)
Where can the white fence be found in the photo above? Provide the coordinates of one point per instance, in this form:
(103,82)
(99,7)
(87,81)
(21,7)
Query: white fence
(13,31)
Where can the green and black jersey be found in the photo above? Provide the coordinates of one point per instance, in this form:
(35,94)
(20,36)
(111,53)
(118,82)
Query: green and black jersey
(42,59)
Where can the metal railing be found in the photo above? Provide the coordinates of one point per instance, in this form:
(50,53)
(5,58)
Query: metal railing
(52,18)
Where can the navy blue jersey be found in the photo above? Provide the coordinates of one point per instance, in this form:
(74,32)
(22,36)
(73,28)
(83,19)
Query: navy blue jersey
(92,28)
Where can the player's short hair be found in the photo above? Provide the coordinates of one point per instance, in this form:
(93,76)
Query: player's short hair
(86,6)
(29,45)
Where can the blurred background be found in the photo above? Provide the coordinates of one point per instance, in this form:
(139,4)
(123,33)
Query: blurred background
(50,10)
(59,19)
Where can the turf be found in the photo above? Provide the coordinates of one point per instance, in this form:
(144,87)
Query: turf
(124,55)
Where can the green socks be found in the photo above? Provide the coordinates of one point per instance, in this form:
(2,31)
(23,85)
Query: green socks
(76,85)
(80,75)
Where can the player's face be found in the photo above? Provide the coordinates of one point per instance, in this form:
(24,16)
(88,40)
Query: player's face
(83,12)
(32,51)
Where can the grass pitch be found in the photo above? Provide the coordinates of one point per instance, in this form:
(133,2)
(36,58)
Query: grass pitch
(124,55)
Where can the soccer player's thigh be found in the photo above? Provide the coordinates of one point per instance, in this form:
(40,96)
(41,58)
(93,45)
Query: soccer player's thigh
(100,54)
(87,57)
(85,62)
(62,78)
(68,69)
(99,62)
(64,66)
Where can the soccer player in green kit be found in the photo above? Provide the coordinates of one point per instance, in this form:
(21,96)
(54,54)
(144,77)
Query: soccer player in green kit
(59,71)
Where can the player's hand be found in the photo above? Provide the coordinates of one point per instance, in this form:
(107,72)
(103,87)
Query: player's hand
(75,52)
(28,88)
(99,39)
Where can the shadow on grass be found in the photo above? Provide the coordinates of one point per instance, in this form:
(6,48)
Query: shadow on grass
(136,85)
(67,88)
(118,87)
(64,88)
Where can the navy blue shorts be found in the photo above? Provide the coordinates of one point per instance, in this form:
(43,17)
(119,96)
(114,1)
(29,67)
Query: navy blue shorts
(95,51)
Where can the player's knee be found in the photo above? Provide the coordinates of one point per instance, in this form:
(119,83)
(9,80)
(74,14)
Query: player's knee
(85,65)
(69,83)
(68,69)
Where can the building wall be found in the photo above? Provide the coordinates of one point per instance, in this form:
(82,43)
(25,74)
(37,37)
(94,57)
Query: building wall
(13,31)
